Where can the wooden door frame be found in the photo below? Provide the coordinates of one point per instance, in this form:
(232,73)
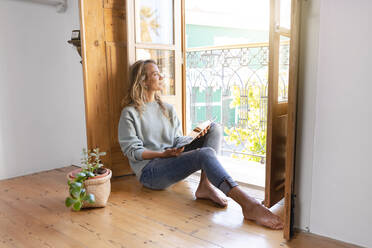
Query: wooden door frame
(292,114)
(96,124)
(273,71)
(276,109)
(183,50)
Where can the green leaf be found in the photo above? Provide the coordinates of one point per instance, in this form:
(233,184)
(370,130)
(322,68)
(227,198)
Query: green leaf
(75,192)
(81,175)
(90,198)
(90,174)
(82,193)
(69,201)
(76,185)
(77,206)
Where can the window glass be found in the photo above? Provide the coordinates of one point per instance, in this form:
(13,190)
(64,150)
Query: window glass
(285,14)
(166,61)
(283,69)
(154,21)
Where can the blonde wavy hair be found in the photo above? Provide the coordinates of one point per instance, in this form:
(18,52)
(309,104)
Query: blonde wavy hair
(136,96)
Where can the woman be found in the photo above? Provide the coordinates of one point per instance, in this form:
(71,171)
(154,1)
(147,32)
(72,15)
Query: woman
(149,126)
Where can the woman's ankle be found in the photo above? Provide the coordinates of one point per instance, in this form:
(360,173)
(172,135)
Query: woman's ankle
(242,198)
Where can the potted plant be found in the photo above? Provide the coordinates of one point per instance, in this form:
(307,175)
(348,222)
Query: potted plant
(89,186)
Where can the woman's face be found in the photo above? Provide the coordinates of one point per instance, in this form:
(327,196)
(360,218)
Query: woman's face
(154,79)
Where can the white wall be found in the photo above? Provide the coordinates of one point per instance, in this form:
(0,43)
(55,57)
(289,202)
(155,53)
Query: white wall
(309,40)
(335,138)
(42,118)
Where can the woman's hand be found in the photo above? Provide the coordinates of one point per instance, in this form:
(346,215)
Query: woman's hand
(172,152)
(204,131)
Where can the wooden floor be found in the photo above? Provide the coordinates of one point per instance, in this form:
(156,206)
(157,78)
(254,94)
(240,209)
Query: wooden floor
(32,214)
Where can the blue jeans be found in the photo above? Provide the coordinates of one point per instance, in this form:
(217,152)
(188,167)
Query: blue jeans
(160,173)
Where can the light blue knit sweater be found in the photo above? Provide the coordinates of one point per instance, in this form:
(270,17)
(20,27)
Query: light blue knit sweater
(149,131)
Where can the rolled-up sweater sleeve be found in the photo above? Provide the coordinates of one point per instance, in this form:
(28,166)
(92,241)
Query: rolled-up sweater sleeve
(129,142)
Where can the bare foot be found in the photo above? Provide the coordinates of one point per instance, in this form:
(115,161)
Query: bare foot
(206,191)
(262,216)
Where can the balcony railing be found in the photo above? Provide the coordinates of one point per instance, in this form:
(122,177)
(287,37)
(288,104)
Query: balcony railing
(228,84)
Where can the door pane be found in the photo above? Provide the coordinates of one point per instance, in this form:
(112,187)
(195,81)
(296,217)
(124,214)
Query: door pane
(283,69)
(154,21)
(285,14)
(166,61)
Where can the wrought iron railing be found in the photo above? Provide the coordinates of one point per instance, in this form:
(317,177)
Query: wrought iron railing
(229,85)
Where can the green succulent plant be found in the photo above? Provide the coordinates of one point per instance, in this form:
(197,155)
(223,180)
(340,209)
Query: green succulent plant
(78,195)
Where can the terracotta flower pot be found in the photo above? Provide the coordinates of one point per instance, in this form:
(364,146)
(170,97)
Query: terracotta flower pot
(99,186)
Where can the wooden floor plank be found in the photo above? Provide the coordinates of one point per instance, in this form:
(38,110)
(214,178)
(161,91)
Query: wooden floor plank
(185,209)
(30,231)
(138,226)
(32,214)
(85,225)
